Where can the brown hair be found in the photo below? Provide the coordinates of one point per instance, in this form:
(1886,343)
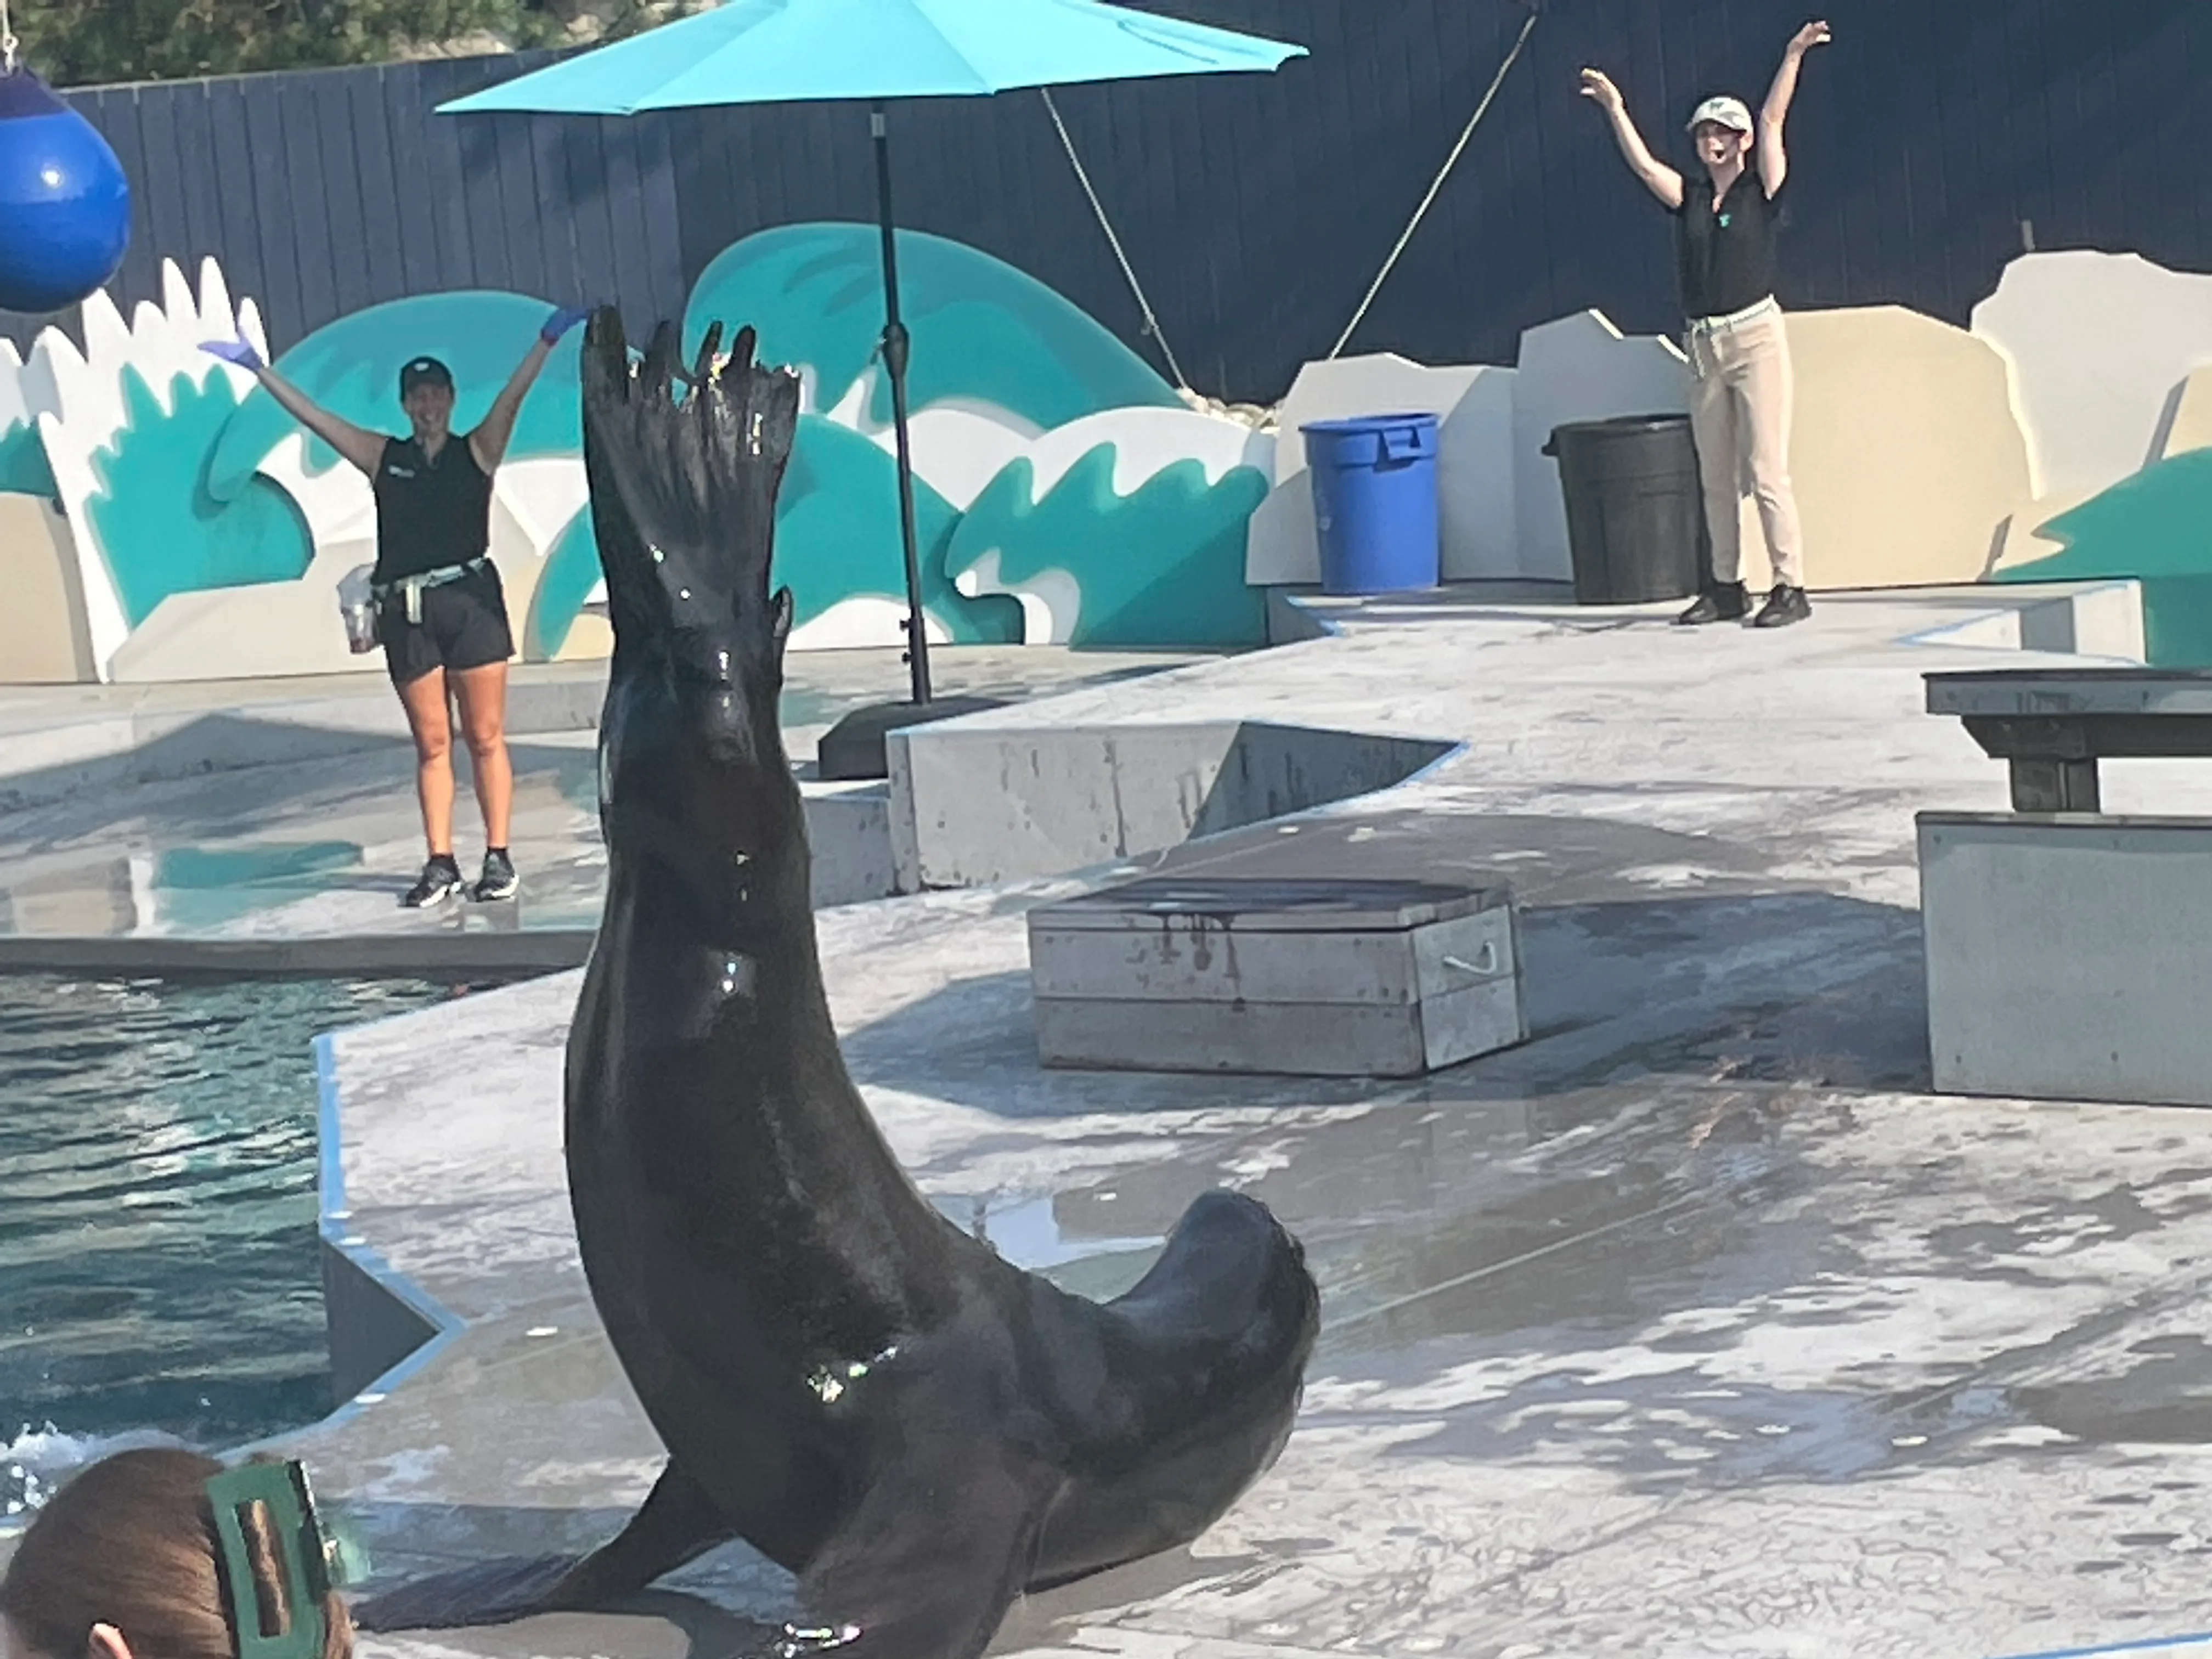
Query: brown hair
(131,1542)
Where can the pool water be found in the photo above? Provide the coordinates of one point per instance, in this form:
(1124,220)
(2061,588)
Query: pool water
(158,1259)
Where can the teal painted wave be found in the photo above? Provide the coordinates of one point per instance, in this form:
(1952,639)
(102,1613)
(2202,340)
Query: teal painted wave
(2155,528)
(351,367)
(982,331)
(1162,566)
(837,538)
(572,571)
(24,468)
(163,531)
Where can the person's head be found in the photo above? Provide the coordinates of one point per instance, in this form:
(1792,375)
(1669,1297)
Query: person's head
(426,392)
(125,1560)
(1721,130)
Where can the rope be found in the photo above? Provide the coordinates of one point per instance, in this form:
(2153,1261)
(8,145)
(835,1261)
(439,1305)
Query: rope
(1450,161)
(1152,323)
(7,41)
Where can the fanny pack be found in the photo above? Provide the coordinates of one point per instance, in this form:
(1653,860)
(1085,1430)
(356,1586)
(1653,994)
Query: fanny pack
(411,588)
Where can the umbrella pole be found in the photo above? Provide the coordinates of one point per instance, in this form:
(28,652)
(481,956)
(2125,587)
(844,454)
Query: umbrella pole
(895,360)
(857,747)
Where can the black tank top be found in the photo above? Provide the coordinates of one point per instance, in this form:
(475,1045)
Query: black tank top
(1725,260)
(429,514)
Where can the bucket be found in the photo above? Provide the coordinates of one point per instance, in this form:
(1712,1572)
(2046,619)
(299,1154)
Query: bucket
(357,606)
(1375,502)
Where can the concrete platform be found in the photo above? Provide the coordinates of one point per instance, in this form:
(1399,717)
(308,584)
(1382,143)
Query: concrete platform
(1697,1325)
(270,826)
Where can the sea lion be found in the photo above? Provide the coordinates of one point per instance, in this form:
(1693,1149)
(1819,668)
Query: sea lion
(842,1377)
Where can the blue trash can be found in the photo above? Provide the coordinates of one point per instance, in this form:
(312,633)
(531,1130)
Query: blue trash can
(1375,502)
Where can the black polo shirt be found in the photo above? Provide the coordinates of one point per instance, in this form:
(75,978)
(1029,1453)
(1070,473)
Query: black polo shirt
(1725,260)
(429,514)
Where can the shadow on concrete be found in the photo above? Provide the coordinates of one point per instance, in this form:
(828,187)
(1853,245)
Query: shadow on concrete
(1268,771)
(1800,990)
(211,743)
(52,807)
(1545,858)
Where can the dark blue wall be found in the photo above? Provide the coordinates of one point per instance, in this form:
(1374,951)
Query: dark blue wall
(1256,209)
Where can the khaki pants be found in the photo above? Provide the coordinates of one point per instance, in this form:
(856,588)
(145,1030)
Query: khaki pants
(1740,397)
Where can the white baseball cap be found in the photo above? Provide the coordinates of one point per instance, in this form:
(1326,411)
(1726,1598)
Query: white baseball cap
(1728,111)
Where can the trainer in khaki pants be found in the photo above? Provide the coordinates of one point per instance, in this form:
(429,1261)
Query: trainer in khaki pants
(1725,228)
(1741,391)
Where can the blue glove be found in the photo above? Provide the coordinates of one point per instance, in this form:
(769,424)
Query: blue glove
(562,321)
(235,351)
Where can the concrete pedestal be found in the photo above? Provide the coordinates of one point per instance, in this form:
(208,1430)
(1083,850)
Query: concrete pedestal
(2069,958)
(1313,976)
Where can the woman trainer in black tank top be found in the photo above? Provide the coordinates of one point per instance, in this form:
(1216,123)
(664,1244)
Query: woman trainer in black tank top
(441,615)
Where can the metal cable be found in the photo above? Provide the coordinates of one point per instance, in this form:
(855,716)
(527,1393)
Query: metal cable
(1152,323)
(1450,161)
(7,41)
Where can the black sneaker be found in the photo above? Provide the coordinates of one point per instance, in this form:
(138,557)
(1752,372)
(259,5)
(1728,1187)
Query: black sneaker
(498,881)
(1785,605)
(1729,603)
(440,880)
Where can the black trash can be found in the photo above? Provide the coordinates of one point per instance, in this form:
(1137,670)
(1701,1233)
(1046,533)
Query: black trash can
(1636,516)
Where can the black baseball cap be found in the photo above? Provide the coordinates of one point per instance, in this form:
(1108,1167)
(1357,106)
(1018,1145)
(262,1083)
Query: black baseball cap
(424,371)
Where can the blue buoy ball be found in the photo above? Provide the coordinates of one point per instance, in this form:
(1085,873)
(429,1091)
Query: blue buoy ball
(65,203)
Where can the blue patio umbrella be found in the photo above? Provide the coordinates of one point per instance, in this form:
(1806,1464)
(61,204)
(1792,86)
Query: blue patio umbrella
(760,52)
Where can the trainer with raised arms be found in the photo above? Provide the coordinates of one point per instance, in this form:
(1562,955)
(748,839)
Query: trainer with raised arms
(440,611)
(1739,349)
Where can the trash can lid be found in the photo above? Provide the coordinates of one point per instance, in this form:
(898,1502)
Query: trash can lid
(1624,423)
(1368,423)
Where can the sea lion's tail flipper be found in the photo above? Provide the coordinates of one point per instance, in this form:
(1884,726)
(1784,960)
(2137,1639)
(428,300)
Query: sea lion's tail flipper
(938,1547)
(684,466)
(678,1523)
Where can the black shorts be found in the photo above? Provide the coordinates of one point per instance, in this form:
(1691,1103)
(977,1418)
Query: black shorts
(463,626)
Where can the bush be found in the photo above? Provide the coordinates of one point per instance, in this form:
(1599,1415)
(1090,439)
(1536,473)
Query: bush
(91,42)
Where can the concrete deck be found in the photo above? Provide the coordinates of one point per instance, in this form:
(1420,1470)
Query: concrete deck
(1696,1326)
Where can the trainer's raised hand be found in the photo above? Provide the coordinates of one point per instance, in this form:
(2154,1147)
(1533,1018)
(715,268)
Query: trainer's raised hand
(1814,33)
(1598,86)
(239,351)
(562,321)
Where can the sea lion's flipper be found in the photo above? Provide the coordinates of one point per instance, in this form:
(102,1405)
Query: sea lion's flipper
(678,1523)
(481,1593)
(683,491)
(938,1547)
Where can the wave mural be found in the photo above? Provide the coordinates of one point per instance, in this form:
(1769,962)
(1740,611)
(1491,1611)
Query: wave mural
(1124,529)
(162,530)
(985,336)
(197,514)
